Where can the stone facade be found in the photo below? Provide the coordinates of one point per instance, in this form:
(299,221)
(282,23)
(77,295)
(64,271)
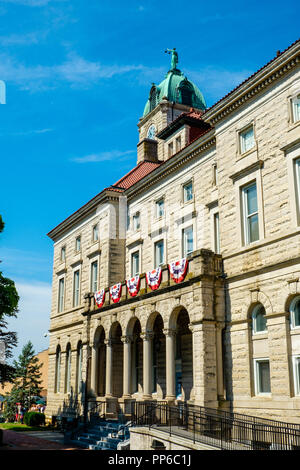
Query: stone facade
(192,341)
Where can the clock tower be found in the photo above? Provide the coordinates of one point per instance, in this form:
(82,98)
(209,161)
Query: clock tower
(173,96)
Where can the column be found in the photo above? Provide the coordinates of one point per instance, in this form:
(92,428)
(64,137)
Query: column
(108,383)
(127,369)
(147,364)
(220,377)
(94,368)
(170,364)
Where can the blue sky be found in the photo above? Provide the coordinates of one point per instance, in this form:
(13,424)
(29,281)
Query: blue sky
(77,75)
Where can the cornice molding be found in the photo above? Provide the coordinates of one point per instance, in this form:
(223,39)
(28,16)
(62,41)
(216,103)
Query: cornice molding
(253,86)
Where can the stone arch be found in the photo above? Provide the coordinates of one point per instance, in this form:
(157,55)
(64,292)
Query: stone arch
(292,306)
(258,297)
(68,363)
(115,337)
(99,356)
(79,362)
(180,321)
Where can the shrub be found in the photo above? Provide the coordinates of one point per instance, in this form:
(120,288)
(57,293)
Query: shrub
(33,418)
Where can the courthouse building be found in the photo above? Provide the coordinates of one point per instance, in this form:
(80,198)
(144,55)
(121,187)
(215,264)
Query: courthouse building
(180,282)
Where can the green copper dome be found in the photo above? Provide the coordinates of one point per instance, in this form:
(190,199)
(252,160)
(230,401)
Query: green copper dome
(176,88)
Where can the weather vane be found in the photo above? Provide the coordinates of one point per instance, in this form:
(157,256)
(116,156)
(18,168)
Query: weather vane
(174,57)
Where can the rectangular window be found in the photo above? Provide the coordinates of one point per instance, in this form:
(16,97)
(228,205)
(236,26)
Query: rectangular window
(61,294)
(78,243)
(178,144)
(215,174)
(297,177)
(135,263)
(170,149)
(262,376)
(136,221)
(63,254)
(188,241)
(94,276)
(95,233)
(250,213)
(76,279)
(160,208)
(216,233)
(188,192)
(296,361)
(247,139)
(296,108)
(159,253)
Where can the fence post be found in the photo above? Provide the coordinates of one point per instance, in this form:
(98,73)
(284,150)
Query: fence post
(194,427)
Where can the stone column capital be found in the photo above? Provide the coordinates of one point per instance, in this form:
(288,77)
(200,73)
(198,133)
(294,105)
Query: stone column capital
(169,332)
(127,339)
(108,342)
(147,335)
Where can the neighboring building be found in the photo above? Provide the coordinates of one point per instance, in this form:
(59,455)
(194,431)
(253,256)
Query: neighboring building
(43,359)
(219,187)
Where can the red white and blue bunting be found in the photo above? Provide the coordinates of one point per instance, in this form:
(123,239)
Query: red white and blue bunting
(100,297)
(133,285)
(153,278)
(178,269)
(115,292)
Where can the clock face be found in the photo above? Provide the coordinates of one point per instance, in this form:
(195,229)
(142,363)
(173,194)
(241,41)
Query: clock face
(151,132)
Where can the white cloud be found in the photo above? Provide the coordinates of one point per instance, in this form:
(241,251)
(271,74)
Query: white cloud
(33,318)
(103,156)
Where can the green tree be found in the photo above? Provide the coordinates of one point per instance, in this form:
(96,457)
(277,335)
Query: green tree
(27,375)
(9,299)
(26,381)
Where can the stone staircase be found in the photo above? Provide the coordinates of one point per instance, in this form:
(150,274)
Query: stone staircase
(102,435)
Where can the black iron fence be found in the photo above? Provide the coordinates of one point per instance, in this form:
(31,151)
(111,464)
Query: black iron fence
(220,429)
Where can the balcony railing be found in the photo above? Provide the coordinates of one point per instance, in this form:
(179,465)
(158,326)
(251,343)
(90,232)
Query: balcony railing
(201,263)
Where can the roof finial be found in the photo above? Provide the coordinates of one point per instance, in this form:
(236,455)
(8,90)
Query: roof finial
(174,57)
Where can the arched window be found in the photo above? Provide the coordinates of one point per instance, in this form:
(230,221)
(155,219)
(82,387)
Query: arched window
(68,370)
(57,370)
(79,368)
(295,312)
(259,322)
(186,93)
(153,98)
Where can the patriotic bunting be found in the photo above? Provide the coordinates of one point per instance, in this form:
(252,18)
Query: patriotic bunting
(178,269)
(133,285)
(115,292)
(154,278)
(100,297)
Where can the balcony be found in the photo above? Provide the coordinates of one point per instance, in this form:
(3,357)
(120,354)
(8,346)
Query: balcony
(201,264)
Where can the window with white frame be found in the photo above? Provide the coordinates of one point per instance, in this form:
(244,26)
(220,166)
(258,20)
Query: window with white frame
(295,312)
(170,149)
(187,241)
(246,139)
(259,322)
(178,143)
(136,221)
(297,185)
(94,276)
(188,191)
(262,376)
(216,232)
(296,108)
(63,253)
(61,294)
(160,208)
(76,286)
(159,253)
(96,233)
(250,213)
(296,368)
(135,263)
(78,243)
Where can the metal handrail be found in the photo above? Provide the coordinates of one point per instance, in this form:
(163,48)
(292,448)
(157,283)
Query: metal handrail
(217,428)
